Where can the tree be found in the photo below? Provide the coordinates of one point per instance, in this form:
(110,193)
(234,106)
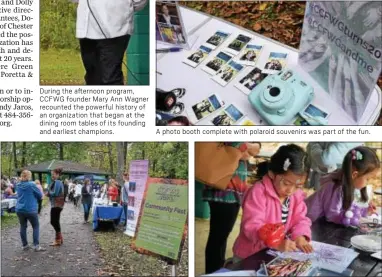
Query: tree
(120,162)
(23,153)
(109,148)
(14,150)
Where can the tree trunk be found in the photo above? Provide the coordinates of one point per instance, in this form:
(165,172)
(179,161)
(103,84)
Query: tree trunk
(109,149)
(61,149)
(14,151)
(23,153)
(120,163)
(10,160)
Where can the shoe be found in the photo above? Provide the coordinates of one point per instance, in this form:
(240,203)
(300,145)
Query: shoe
(26,247)
(38,248)
(57,241)
(60,238)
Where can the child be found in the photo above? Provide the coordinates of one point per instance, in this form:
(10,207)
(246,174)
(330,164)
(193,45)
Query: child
(337,191)
(277,198)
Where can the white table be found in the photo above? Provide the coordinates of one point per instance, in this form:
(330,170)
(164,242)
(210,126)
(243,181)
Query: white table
(199,84)
(8,203)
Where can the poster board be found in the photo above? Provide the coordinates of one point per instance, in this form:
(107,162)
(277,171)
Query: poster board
(341,48)
(169,25)
(139,172)
(162,224)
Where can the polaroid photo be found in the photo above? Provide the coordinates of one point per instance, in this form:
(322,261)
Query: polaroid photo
(300,121)
(246,122)
(227,73)
(167,33)
(217,39)
(250,54)
(198,56)
(275,63)
(205,108)
(316,111)
(216,63)
(238,44)
(169,22)
(228,117)
(251,80)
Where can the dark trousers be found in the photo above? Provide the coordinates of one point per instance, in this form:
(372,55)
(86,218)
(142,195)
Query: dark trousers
(55,214)
(33,219)
(102,60)
(39,206)
(124,205)
(87,208)
(222,220)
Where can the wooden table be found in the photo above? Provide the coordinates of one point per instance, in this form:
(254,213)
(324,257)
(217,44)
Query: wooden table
(322,231)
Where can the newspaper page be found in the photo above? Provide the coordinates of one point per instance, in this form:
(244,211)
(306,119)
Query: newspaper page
(214,101)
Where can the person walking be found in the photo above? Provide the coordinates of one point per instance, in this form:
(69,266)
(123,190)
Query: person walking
(38,184)
(66,189)
(28,196)
(57,202)
(77,193)
(87,200)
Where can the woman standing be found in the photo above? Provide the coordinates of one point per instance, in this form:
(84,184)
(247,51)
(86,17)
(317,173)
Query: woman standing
(125,194)
(112,191)
(57,201)
(225,206)
(26,208)
(86,199)
(38,184)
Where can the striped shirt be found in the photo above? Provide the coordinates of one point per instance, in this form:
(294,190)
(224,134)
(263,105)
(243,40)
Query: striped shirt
(285,211)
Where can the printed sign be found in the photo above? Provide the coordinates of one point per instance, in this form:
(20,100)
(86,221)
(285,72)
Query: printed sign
(341,48)
(164,214)
(139,171)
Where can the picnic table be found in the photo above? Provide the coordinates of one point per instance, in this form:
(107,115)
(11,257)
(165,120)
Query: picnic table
(198,84)
(8,204)
(323,231)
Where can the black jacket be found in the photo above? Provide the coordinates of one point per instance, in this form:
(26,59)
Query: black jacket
(86,196)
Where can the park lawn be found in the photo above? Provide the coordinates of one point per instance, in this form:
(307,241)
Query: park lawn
(10,219)
(63,67)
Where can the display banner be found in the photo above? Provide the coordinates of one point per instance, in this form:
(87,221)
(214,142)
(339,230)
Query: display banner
(139,172)
(341,48)
(164,215)
(169,25)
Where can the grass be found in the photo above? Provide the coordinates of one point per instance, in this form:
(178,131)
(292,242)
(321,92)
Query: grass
(63,67)
(10,219)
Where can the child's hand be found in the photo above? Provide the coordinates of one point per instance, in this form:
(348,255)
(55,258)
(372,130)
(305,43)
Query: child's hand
(304,245)
(372,208)
(287,246)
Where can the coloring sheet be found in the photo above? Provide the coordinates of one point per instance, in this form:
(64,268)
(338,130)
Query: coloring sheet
(326,256)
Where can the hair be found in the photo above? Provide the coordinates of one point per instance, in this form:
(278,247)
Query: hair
(58,171)
(126,174)
(26,175)
(37,182)
(87,181)
(368,163)
(180,119)
(298,158)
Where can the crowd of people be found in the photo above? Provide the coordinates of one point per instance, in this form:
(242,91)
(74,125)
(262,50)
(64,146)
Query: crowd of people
(30,194)
(339,173)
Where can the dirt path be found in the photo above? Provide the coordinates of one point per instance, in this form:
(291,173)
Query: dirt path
(78,256)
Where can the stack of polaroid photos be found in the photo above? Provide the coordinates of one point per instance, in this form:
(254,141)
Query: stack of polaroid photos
(224,64)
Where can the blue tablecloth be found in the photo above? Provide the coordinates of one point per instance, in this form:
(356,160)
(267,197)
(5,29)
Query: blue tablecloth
(115,214)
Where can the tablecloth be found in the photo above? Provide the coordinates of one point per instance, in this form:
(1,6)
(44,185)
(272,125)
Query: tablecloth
(8,203)
(115,214)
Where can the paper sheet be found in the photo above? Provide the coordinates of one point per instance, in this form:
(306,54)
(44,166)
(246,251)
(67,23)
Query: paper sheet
(326,256)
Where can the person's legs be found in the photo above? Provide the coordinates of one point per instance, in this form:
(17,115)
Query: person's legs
(125,211)
(55,214)
(110,55)
(89,60)
(86,212)
(222,220)
(39,206)
(33,219)
(23,228)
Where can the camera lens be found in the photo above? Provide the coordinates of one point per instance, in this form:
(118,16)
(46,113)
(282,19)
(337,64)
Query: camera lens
(274,91)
